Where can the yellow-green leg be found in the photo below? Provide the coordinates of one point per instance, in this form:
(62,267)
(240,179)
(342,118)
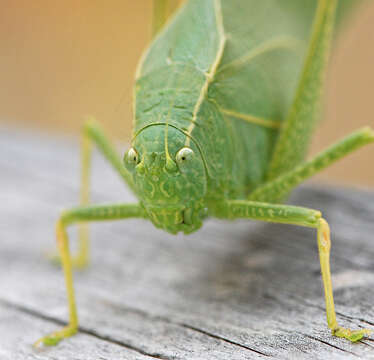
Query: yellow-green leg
(92,133)
(78,215)
(287,214)
(276,190)
(82,258)
(296,131)
(324,246)
(72,327)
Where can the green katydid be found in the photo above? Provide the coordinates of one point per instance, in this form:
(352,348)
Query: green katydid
(224,110)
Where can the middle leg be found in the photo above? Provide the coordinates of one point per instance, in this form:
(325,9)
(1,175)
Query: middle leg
(92,133)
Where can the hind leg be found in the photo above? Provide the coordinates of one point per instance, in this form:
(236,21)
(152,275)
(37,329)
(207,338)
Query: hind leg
(277,189)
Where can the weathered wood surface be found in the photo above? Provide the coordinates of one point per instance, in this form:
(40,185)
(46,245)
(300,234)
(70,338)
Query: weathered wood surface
(233,290)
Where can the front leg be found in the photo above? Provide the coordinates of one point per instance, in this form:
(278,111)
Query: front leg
(79,215)
(295,215)
(93,134)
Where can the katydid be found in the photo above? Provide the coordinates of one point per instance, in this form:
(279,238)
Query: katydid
(224,111)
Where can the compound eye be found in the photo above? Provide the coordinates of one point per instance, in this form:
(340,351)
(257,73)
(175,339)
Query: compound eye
(132,157)
(184,155)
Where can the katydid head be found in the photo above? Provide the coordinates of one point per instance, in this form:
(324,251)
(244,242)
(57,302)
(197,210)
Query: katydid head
(170,178)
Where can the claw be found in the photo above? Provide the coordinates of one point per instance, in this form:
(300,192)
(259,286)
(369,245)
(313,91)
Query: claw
(352,335)
(55,337)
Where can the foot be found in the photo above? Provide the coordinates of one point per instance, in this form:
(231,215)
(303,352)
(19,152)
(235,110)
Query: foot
(55,337)
(352,335)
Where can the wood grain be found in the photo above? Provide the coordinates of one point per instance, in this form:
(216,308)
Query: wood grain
(233,290)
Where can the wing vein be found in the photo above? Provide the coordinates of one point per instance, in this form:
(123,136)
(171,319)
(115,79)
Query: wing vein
(211,73)
(251,118)
(285,42)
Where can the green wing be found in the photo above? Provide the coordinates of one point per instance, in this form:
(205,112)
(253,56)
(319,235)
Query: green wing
(256,81)
(251,83)
(295,135)
(189,38)
(172,71)
(257,77)
(162,10)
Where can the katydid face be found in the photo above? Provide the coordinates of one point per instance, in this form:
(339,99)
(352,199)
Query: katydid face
(169,176)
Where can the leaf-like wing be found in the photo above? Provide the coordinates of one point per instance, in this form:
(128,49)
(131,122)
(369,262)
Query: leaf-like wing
(236,92)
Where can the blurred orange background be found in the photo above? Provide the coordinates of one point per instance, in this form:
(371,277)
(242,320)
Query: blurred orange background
(62,60)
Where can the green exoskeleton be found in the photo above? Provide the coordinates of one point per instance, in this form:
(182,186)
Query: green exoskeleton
(224,111)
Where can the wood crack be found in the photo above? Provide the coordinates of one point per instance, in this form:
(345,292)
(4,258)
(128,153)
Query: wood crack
(184,325)
(348,317)
(365,343)
(83,330)
(222,339)
(190,300)
(329,344)
(140,312)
